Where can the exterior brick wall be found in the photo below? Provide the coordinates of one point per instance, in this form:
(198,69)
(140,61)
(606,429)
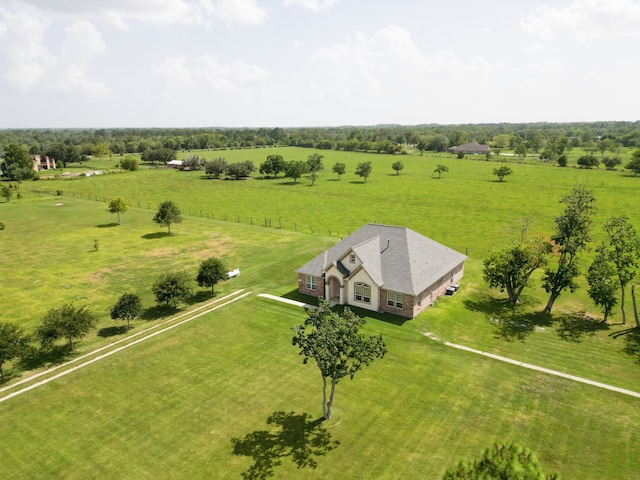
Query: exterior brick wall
(302,286)
(407,305)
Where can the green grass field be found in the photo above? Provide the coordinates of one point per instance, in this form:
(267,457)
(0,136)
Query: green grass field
(171,407)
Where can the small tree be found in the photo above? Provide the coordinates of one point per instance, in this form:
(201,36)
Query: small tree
(501,461)
(168,213)
(339,168)
(128,307)
(273,165)
(172,288)
(212,270)
(602,282)
(502,172)
(313,176)
(295,169)
(215,167)
(68,322)
(364,170)
(440,169)
(634,163)
(314,162)
(6,192)
(397,166)
(588,161)
(14,343)
(336,345)
(129,163)
(118,205)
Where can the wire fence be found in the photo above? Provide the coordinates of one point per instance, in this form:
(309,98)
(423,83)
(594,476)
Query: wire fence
(264,221)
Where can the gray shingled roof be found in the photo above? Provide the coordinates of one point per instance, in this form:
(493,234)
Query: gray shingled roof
(397,258)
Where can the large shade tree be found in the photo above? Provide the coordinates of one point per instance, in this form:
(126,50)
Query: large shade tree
(336,345)
(69,322)
(17,163)
(623,252)
(172,288)
(14,343)
(510,269)
(603,286)
(571,237)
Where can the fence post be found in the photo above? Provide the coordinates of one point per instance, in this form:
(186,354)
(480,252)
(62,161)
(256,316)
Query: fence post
(238,218)
(251,220)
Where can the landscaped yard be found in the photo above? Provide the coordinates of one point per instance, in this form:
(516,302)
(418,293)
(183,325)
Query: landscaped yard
(172,406)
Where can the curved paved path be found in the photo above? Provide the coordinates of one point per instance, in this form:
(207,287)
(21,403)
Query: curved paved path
(432,336)
(518,363)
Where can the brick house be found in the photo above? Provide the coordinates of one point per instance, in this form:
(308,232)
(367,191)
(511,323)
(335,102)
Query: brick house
(472,148)
(42,162)
(383,268)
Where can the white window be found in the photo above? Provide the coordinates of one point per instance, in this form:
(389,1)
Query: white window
(311,282)
(362,293)
(394,299)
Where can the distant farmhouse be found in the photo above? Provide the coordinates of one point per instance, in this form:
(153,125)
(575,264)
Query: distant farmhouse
(472,148)
(175,164)
(42,162)
(385,269)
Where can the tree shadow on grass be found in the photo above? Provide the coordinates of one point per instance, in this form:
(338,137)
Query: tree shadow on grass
(155,235)
(107,225)
(295,436)
(508,322)
(632,343)
(573,327)
(40,358)
(112,331)
(158,311)
(199,297)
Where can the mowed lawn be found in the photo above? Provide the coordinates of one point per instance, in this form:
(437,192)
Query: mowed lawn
(467,209)
(170,407)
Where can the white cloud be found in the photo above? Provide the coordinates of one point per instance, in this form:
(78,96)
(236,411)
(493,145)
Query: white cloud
(206,71)
(389,64)
(28,66)
(586,19)
(314,5)
(83,41)
(120,12)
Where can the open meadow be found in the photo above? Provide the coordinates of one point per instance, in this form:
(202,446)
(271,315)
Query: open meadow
(227,394)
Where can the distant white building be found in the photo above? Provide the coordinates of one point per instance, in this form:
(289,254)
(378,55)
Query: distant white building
(174,164)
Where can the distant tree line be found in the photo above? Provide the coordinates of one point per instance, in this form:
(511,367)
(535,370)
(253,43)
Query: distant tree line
(549,140)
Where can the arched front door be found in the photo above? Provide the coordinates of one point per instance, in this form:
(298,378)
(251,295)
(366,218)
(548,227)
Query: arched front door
(333,292)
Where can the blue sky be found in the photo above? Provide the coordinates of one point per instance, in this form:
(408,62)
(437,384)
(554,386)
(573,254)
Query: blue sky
(287,63)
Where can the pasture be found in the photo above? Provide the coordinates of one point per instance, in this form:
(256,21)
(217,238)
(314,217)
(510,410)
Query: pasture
(171,407)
